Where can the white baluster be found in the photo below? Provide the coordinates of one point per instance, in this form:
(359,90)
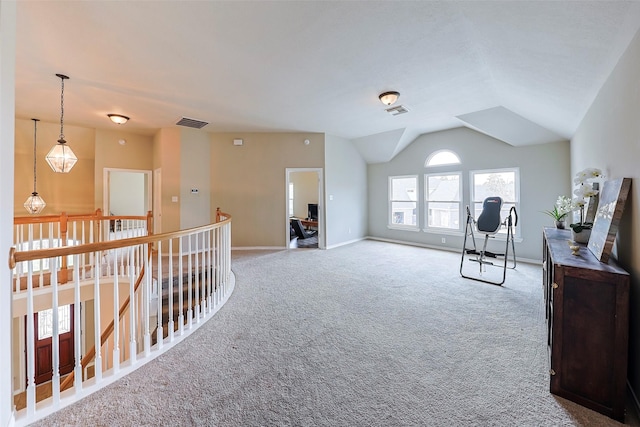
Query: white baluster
(210,272)
(97,327)
(170,324)
(203,277)
(181,289)
(145,301)
(132,314)
(77,336)
(160,332)
(195,273)
(189,290)
(31,375)
(55,339)
(116,317)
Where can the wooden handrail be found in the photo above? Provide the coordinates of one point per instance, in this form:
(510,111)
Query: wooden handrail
(97,215)
(19,256)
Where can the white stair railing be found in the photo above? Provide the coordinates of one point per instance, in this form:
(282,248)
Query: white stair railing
(189,272)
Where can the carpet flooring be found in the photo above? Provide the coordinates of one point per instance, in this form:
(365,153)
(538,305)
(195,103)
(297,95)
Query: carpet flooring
(368,334)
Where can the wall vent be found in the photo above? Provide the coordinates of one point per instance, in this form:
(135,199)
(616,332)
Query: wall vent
(395,111)
(191,123)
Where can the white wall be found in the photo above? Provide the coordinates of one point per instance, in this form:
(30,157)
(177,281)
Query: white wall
(544,175)
(345,192)
(609,138)
(7,120)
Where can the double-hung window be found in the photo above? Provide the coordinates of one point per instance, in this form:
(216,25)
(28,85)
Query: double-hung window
(403,204)
(443,201)
(504,183)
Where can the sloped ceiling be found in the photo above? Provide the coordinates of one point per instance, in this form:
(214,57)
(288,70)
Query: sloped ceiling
(318,66)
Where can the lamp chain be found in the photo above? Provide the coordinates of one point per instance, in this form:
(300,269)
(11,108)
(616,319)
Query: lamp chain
(35,135)
(62,110)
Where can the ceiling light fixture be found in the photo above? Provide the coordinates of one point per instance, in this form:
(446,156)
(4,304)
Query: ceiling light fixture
(34,204)
(389,98)
(61,157)
(118,118)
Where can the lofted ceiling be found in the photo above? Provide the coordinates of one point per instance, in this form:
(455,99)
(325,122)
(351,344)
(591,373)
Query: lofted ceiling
(521,71)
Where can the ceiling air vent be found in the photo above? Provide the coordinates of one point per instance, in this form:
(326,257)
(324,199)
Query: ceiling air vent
(191,123)
(395,111)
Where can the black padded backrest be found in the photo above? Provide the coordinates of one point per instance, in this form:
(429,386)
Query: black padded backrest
(489,220)
(300,231)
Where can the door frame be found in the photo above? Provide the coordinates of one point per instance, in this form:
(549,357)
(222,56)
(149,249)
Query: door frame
(106,187)
(321,209)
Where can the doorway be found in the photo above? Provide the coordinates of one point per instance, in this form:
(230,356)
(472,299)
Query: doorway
(43,345)
(126,191)
(305,207)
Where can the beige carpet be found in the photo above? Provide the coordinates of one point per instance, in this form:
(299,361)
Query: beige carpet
(369,334)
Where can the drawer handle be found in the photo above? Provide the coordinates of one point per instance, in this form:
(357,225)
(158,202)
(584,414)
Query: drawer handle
(552,372)
(554,286)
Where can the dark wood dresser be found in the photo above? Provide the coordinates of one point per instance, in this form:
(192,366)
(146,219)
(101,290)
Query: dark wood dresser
(587,309)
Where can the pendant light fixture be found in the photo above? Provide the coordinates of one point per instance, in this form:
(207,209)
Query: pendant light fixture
(61,157)
(34,204)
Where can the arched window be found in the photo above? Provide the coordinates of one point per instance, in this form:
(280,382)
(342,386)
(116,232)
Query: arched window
(442,157)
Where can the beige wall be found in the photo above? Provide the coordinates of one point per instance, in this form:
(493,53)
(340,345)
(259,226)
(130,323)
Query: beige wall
(166,156)
(72,192)
(249,181)
(79,191)
(195,152)
(608,138)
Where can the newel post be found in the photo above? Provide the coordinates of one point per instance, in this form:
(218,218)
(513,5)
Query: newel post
(149,223)
(63,273)
(218,214)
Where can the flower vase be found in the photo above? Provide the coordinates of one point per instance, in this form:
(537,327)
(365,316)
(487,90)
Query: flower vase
(582,236)
(560,224)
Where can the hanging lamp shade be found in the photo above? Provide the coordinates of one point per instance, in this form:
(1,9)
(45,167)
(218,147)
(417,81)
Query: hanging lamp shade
(61,157)
(34,204)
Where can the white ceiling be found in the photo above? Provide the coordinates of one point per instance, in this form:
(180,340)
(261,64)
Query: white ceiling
(318,66)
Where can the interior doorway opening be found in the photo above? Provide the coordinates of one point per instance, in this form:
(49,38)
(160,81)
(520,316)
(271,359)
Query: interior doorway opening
(305,208)
(127,192)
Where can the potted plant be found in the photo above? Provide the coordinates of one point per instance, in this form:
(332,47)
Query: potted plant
(581,230)
(560,211)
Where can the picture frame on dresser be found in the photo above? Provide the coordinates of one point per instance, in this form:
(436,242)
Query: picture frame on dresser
(611,203)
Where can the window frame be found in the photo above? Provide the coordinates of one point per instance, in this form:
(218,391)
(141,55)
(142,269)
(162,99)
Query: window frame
(472,202)
(460,202)
(437,152)
(390,201)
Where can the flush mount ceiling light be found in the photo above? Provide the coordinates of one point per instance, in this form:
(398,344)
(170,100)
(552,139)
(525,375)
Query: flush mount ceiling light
(118,118)
(389,98)
(61,157)
(34,204)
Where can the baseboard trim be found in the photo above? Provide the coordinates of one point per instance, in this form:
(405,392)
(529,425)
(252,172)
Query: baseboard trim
(443,248)
(348,242)
(258,248)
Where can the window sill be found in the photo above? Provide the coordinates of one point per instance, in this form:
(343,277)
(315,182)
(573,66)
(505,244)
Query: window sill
(403,228)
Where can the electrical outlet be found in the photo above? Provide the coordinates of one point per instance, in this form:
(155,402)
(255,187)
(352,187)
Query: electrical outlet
(444,240)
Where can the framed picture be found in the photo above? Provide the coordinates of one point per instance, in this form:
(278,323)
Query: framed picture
(605,226)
